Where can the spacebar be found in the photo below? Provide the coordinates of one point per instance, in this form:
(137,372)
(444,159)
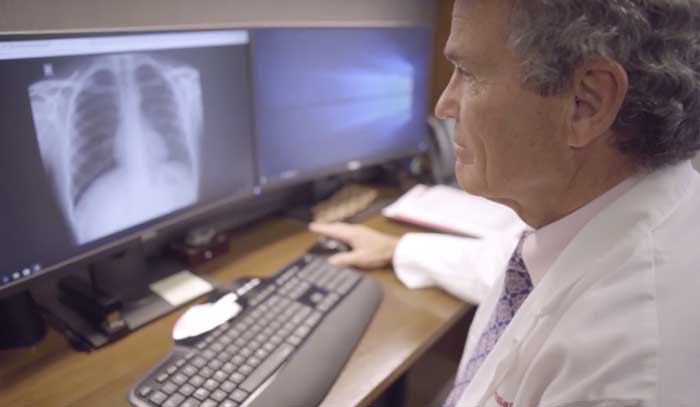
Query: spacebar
(267,367)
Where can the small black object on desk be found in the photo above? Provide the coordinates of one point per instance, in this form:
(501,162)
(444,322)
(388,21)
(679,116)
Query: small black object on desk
(21,323)
(326,246)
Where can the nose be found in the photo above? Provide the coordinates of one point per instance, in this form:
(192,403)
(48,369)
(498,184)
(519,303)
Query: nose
(447,106)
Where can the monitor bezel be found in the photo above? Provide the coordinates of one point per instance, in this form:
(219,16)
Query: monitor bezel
(354,165)
(152,229)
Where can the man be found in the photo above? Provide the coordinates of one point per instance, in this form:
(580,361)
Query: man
(580,116)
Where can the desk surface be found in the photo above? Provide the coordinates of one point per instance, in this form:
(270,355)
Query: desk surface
(406,325)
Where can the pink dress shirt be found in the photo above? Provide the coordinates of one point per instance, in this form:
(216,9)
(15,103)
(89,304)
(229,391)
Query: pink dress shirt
(542,247)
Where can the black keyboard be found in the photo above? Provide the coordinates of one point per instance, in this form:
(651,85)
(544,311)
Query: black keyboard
(286,347)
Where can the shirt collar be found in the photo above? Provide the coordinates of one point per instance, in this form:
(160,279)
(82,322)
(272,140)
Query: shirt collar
(542,247)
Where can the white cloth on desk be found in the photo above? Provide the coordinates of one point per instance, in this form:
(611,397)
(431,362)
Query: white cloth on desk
(465,267)
(613,322)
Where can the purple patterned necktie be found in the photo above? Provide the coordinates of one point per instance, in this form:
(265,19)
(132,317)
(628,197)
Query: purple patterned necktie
(516,287)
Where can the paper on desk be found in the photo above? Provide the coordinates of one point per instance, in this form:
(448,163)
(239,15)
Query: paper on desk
(451,210)
(180,288)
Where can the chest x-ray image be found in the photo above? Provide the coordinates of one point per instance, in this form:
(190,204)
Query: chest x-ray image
(120,137)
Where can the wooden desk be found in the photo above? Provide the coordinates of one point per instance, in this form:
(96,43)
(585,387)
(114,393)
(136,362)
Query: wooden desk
(406,325)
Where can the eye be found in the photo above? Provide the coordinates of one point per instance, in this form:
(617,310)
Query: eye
(464,73)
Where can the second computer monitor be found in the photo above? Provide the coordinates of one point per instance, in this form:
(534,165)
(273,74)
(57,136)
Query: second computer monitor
(333,99)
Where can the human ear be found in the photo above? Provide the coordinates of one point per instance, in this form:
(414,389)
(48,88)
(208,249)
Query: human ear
(599,89)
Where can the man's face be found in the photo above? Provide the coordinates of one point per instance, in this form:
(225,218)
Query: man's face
(510,142)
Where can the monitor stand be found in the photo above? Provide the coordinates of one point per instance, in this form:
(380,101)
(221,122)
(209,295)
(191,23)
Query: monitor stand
(110,298)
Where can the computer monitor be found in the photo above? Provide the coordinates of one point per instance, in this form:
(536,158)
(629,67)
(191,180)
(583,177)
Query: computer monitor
(108,138)
(329,100)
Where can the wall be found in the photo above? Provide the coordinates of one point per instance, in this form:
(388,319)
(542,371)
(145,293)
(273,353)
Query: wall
(72,15)
(442,68)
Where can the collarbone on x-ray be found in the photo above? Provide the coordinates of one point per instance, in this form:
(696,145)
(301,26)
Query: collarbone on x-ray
(120,137)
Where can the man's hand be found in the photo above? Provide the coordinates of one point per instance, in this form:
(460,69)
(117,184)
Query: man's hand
(370,249)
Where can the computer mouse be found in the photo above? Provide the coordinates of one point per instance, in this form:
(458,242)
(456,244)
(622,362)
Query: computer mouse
(202,318)
(328,246)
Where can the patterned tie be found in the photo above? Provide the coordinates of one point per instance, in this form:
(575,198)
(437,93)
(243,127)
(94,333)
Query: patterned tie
(516,287)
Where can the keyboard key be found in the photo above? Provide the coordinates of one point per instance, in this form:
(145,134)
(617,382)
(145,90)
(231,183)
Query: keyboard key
(255,344)
(218,395)
(269,366)
(302,331)
(228,368)
(196,380)
(325,305)
(180,362)
(190,402)
(294,340)
(199,361)
(169,387)
(239,395)
(229,403)
(336,281)
(206,372)
(179,379)
(201,394)
(211,385)
(228,386)
(158,397)
(187,389)
(209,403)
(171,369)
(245,370)
(316,297)
(162,377)
(237,377)
(189,370)
(220,376)
(145,391)
(174,400)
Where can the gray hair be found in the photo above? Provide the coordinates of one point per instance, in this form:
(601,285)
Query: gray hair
(656,41)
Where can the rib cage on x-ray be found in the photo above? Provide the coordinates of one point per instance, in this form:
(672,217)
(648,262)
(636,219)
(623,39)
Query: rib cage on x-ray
(129,121)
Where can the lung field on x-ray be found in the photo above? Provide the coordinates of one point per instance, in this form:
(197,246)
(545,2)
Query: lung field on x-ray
(120,137)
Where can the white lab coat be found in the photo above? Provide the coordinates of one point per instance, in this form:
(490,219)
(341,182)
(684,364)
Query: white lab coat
(614,322)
